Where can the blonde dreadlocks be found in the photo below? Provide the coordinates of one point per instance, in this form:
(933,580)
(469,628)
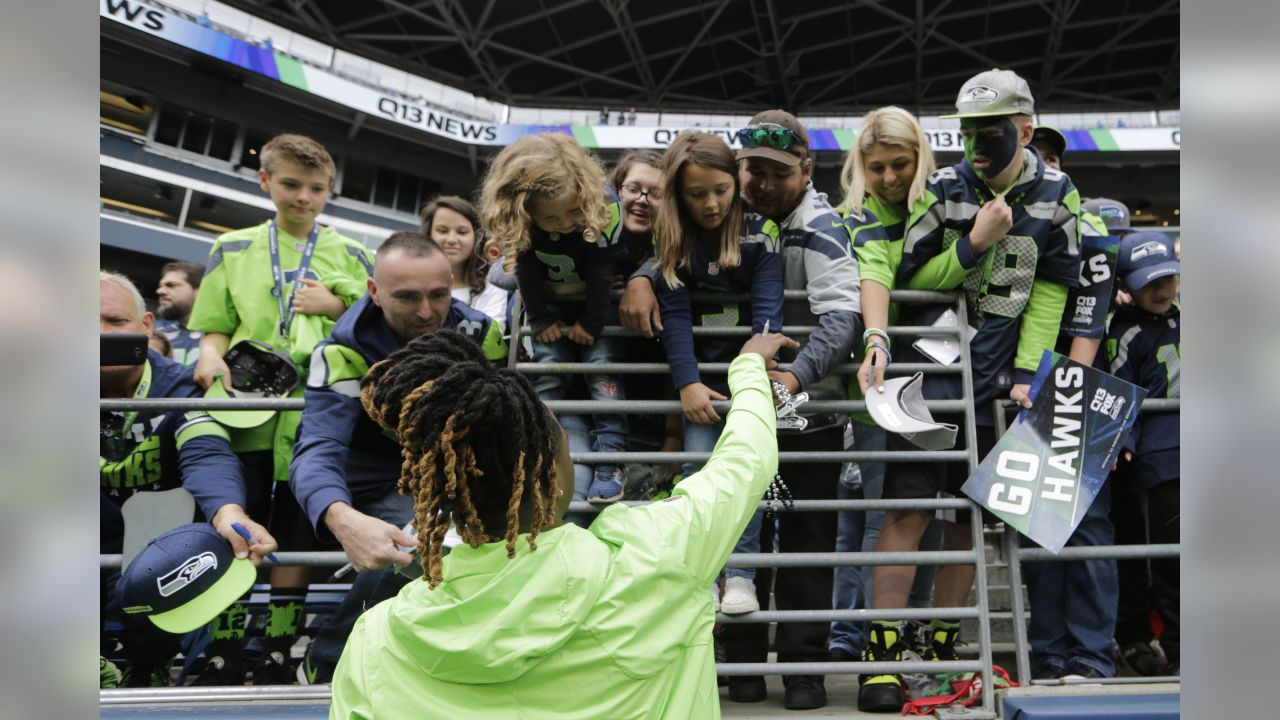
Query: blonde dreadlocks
(475,439)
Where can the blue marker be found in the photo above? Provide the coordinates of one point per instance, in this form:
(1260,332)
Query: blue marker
(242,532)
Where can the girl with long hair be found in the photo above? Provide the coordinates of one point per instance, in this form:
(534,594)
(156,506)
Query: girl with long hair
(708,242)
(454,223)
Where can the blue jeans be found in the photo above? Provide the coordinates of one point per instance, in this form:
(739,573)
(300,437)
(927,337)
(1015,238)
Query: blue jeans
(703,438)
(1074,604)
(609,431)
(857,531)
(579,433)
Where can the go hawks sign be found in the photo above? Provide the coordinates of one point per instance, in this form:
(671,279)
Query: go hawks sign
(1044,473)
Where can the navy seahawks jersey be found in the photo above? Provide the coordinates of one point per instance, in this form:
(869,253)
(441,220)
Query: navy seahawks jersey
(1144,349)
(186,343)
(342,454)
(557,265)
(759,273)
(162,451)
(1016,291)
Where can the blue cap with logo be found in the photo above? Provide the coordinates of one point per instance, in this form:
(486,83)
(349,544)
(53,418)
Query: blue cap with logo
(1146,257)
(183,578)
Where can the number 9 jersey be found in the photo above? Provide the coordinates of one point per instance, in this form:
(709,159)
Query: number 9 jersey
(1016,292)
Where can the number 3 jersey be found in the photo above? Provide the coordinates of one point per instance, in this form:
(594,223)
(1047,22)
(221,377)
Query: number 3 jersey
(1016,291)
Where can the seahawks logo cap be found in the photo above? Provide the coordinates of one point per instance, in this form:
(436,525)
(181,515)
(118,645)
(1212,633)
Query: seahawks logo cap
(994,92)
(257,371)
(1145,257)
(183,578)
(1114,214)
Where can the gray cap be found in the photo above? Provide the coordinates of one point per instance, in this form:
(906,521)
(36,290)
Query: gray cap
(900,409)
(994,92)
(1114,214)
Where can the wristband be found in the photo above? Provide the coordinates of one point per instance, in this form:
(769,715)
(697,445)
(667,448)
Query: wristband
(888,355)
(873,332)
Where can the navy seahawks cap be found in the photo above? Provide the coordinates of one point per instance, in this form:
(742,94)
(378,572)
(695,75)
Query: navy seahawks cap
(183,578)
(1146,257)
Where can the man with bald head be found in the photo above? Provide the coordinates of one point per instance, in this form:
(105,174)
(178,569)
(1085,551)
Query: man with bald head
(345,469)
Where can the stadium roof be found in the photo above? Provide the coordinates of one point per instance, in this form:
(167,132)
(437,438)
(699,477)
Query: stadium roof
(810,56)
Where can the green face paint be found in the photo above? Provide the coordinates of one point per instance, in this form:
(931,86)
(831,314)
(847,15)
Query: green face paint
(991,144)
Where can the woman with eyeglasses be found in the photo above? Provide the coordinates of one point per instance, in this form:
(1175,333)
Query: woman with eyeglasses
(883,175)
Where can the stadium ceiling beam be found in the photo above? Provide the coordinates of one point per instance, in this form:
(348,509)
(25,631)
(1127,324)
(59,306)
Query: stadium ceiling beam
(311,15)
(545,13)
(560,45)
(401,37)
(843,75)
(1110,99)
(1114,40)
(1060,14)
(622,19)
(372,19)
(458,23)
(609,35)
(780,61)
(1172,76)
(689,47)
(538,59)
(986,60)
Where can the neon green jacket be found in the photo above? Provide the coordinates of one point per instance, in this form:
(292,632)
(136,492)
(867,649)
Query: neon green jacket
(609,622)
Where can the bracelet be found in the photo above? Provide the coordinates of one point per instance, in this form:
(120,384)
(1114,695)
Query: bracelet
(873,332)
(883,347)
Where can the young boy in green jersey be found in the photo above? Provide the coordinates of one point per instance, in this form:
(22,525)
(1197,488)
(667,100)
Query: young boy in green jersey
(1004,228)
(284,283)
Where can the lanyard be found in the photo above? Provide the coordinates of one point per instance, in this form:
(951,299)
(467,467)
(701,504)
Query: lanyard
(277,274)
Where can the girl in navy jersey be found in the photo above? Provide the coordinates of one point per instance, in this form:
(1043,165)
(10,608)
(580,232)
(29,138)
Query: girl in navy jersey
(709,242)
(546,204)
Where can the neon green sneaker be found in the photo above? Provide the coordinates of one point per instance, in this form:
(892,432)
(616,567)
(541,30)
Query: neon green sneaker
(108,674)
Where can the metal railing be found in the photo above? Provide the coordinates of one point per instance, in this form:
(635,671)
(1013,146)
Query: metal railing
(1015,554)
(980,611)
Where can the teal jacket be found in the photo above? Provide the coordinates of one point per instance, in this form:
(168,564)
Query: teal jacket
(613,621)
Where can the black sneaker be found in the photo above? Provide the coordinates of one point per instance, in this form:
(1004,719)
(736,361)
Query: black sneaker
(1076,670)
(1050,668)
(940,642)
(1143,659)
(311,672)
(804,692)
(273,669)
(219,672)
(839,654)
(884,692)
(747,688)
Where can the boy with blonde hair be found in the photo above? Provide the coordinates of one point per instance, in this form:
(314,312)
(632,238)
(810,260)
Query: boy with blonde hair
(283,283)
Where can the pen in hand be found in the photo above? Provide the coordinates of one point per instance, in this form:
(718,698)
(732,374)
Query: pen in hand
(242,532)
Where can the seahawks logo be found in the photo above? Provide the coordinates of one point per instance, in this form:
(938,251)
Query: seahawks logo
(1147,249)
(177,579)
(979,94)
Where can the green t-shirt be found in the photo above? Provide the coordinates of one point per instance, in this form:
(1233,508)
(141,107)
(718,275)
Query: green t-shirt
(236,299)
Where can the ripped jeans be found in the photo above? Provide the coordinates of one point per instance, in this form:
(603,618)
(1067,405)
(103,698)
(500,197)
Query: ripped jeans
(609,431)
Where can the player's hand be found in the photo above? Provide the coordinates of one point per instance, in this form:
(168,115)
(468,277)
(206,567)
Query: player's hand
(209,365)
(695,400)
(263,544)
(638,309)
(865,378)
(767,346)
(990,224)
(370,543)
(1020,394)
(550,335)
(312,298)
(581,336)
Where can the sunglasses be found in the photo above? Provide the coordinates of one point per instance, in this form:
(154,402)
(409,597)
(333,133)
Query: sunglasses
(771,135)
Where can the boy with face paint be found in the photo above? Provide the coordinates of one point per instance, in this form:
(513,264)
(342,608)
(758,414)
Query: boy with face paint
(1004,228)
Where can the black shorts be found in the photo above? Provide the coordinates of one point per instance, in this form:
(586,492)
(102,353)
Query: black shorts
(927,480)
(272,503)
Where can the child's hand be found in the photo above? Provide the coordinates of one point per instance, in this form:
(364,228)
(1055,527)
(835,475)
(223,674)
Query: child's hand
(990,224)
(550,335)
(695,400)
(581,336)
(1021,394)
(209,365)
(312,298)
